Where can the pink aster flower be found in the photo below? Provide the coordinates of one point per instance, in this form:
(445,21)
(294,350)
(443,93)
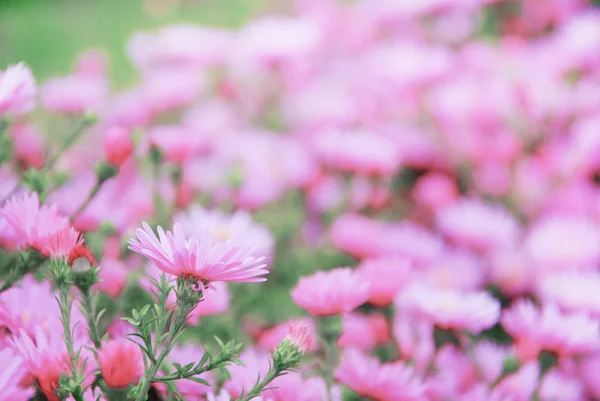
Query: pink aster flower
(237,228)
(588,371)
(559,386)
(519,386)
(120,363)
(272,337)
(117,146)
(478,225)
(299,335)
(386,277)
(113,277)
(363,332)
(32,223)
(11,376)
(415,338)
(292,387)
(17,90)
(358,152)
(178,143)
(74,93)
(572,291)
(450,309)
(537,329)
(62,242)
(244,377)
(331,292)
(383,382)
(202,258)
(28,145)
(563,242)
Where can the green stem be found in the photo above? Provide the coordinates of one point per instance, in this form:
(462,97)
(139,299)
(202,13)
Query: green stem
(258,388)
(90,197)
(66,304)
(90,316)
(329,331)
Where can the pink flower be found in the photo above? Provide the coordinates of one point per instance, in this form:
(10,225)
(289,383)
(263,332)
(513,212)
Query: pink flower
(363,332)
(215,300)
(331,292)
(299,335)
(558,386)
(178,143)
(358,152)
(31,223)
(489,358)
(113,277)
(450,309)
(435,190)
(562,241)
(244,377)
(117,146)
(537,329)
(62,242)
(292,387)
(477,225)
(386,277)
(17,90)
(519,386)
(572,291)
(237,228)
(454,374)
(456,269)
(589,368)
(415,338)
(73,94)
(383,382)
(120,363)
(272,337)
(28,145)
(11,376)
(203,258)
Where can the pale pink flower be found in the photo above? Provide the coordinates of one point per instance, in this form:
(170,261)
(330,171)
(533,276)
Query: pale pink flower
(28,145)
(292,387)
(434,190)
(331,292)
(558,386)
(224,396)
(237,228)
(519,386)
(215,300)
(572,291)
(178,143)
(62,242)
(32,223)
(11,377)
(537,329)
(74,93)
(511,270)
(184,355)
(455,373)
(244,377)
(489,358)
(357,152)
(563,242)
(270,338)
(299,335)
(414,336)
(117,146)
(202,258)
(17,90)
(386,276)
(113,277)
(364,332)
(451,309)
(166,89)
(120,363)
(588,371)
(383,382)
(478,225)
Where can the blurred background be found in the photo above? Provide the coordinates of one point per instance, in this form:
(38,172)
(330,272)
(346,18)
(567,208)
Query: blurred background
(65,28)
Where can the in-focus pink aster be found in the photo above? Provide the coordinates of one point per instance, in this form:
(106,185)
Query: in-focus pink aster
(17,90)
(62,242)
(536,329)
(331,292)
(299,335)
(449,309)
(382,382)
(32,223)
(120,363)
(203,258)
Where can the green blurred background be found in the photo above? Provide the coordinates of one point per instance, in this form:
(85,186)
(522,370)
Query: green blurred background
(49,34)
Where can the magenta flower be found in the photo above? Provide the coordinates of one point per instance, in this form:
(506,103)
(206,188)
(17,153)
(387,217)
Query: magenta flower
(11,377)
(299,335)
(386,277)
(17,90)
(120,362)
(331,292)
(203,258)
(62,242)
(32,223)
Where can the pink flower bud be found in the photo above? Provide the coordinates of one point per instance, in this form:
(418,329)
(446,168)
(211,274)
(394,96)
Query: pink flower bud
(17,90)
(299,336)
(120,363)
(117,146)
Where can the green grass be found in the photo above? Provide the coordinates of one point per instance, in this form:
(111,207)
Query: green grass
(49,34)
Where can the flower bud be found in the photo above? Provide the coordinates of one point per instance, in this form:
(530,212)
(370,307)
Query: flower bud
(117,146)
(104,171)
(61,273)
(188,294)
(287,355)
(120,363)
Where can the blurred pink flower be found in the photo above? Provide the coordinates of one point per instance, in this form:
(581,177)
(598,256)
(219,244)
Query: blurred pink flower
(563,242)
(519,386)
(588,370)
(32,223)
(331,292)
(215,300)
(177,143)
(272,337)
(113,277)
(477,225)
(489,359)
(558,386)
(28,145)
(74,93)
(184,355)
(11,378)
(435,190)
(244,377)
(292,387)
(117,146)
(571,291)
(383,382)
(414,336)
(203,258)
(17,90)
(386,276)
(451,309)
(363,332)
(120,363)
(536,329)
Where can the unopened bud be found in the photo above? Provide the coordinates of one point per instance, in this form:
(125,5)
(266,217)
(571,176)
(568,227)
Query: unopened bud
(117,146)
(61,273)
(104,171)
(189,294)
(288,354)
